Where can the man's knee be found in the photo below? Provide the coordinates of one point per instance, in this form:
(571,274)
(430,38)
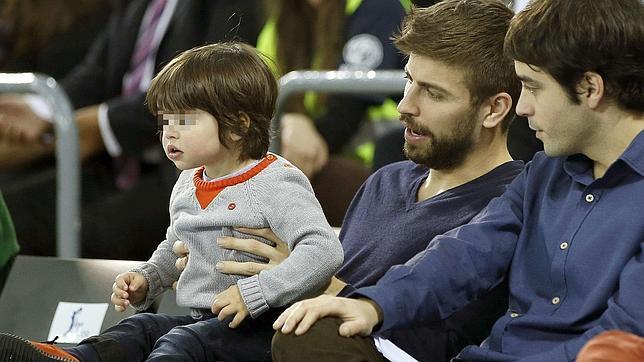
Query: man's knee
(318,339)
(323,343)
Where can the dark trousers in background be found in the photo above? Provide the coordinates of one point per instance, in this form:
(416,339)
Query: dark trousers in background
(160,337)
(323,343)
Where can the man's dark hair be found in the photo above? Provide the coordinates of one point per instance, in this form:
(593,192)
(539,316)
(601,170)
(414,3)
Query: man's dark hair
(566,38)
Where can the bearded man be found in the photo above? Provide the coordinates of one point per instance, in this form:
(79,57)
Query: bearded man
(457,108)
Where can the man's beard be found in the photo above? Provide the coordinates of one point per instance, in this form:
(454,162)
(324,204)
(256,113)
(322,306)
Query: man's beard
(442,153)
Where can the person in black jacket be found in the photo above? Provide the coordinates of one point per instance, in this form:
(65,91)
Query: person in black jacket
(115,129)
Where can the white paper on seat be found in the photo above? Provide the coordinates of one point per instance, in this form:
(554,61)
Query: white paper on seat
(74,322)
(392,352)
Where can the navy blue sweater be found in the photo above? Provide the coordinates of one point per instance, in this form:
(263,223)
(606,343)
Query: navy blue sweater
(385,226)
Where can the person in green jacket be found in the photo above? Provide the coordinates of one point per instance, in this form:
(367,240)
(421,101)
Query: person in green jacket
(8,242)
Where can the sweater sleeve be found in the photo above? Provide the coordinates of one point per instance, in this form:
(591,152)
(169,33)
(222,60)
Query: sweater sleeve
(160,270)
(285,198)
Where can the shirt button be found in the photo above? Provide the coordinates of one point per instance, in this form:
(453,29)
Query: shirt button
(563,246)
(556,300)
(514,315)
(590,198)
(232,206)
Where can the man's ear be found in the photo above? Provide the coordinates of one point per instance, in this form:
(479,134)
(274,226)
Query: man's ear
(591,88)
(245,120)
(497,107)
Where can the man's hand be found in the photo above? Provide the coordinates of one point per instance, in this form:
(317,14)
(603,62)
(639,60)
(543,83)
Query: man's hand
(13,155)
(359,316)
(182,252)
(230,302)
(23,134)
(19,124)
(128,288)
(302,144)
(275,254)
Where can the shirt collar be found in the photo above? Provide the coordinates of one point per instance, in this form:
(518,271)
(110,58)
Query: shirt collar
(579,167)
(634,154)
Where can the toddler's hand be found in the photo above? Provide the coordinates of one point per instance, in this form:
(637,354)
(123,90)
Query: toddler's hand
(128,288)
(230,302)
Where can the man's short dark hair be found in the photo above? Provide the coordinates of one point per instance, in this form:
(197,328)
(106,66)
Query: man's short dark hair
(567,38)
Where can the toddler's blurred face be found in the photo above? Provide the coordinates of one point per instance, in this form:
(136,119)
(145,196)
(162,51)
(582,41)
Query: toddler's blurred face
(191,139)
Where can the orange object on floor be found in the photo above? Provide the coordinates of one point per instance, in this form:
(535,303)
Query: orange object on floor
(14,348)
(613,346)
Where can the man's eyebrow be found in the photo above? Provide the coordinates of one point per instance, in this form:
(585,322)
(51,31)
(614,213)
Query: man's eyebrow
(433,86)
(430,85)
(526,79)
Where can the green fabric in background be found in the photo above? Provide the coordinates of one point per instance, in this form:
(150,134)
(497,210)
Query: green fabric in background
(8,243)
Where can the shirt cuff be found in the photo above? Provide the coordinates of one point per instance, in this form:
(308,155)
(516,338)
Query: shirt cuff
(388,303)
(347,290)
(40,107)
(109,139)
(252,295)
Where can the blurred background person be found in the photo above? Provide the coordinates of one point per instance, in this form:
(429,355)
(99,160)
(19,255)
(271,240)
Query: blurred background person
(48,37)
(124,187)
(8,243)
(330,35)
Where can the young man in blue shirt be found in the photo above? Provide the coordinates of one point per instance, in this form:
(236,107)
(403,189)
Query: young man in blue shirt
(567,234)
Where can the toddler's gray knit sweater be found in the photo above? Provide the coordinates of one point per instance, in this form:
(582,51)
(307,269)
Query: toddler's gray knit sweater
(269,194)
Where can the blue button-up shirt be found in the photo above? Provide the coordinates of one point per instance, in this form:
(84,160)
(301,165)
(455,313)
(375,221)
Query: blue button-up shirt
(571,246)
